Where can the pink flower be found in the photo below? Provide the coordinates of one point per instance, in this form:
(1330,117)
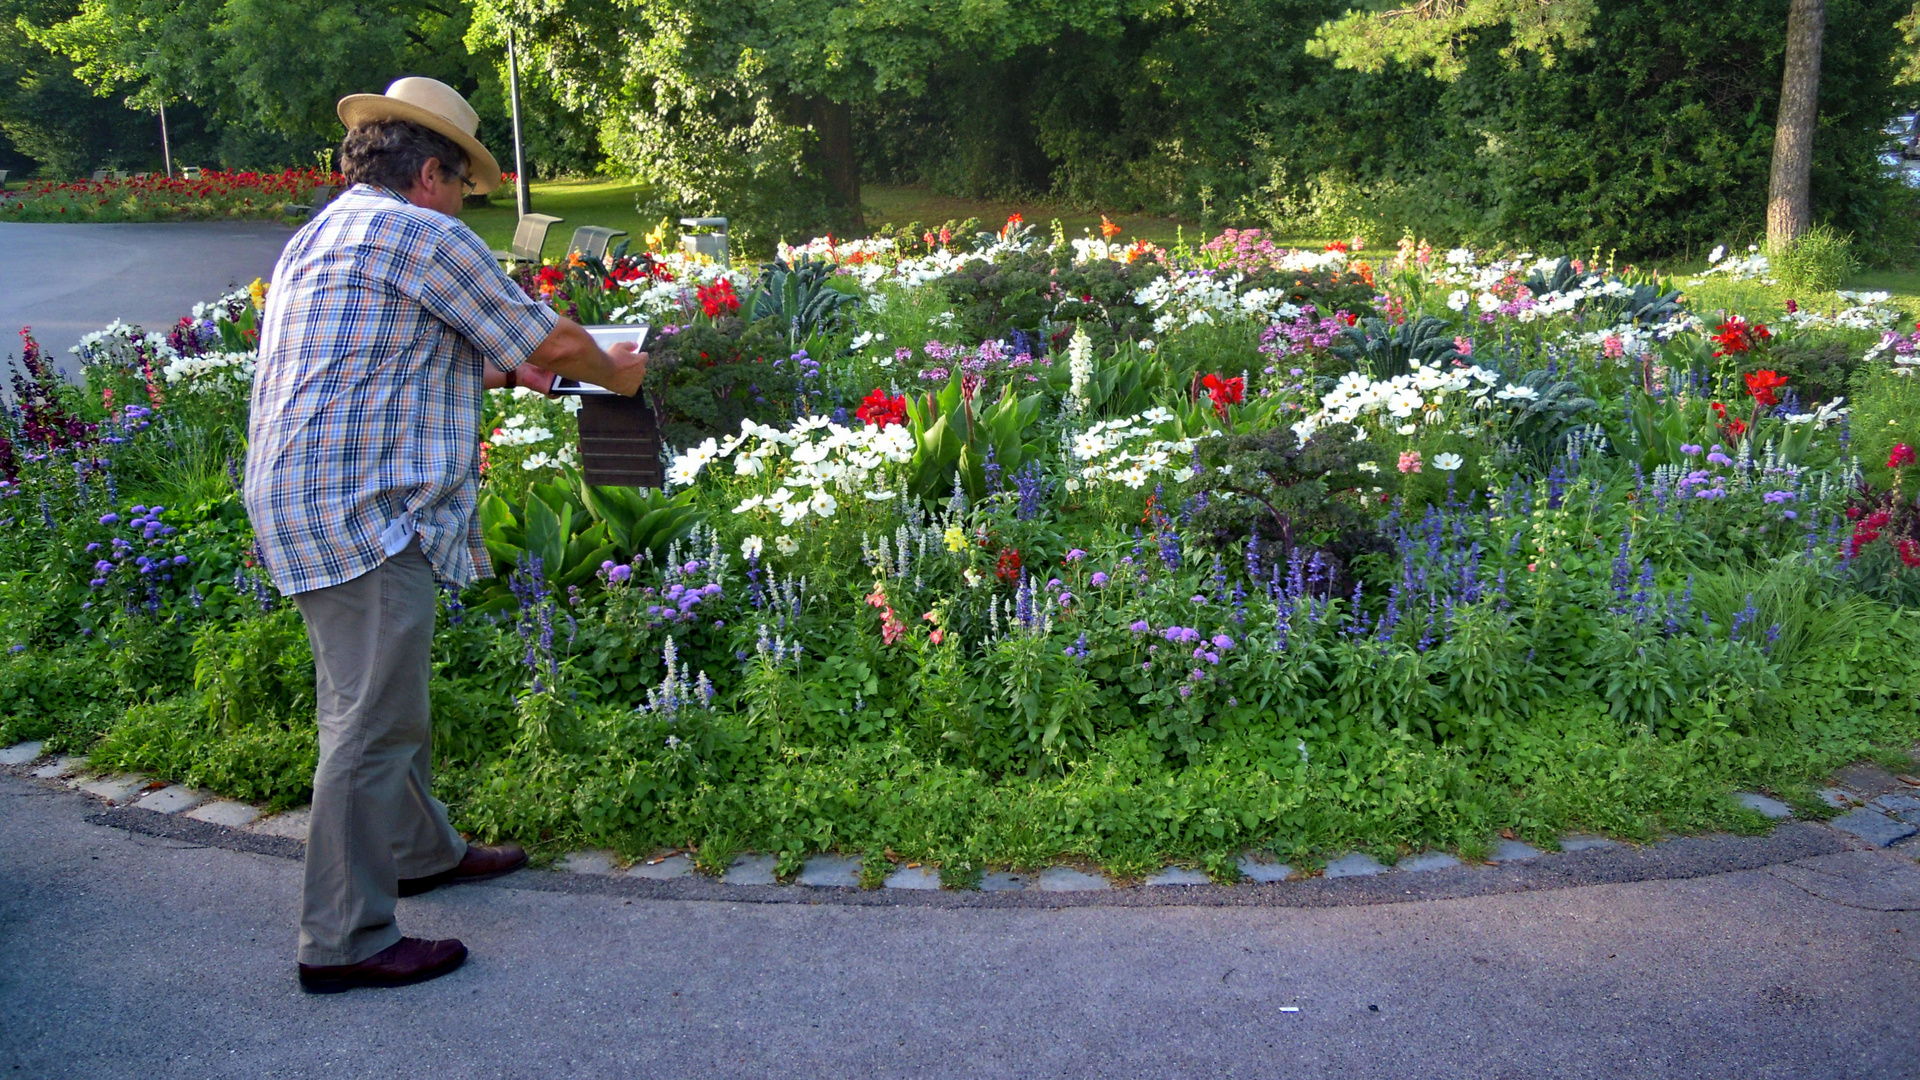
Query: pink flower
(1409,461)
(1902,455)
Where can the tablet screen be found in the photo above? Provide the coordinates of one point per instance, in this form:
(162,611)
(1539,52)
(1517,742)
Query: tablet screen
(604,336)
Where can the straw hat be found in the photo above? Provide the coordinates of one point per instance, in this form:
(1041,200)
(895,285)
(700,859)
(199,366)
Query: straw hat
(433,105)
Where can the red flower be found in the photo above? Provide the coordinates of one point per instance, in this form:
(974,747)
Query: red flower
(1737,335)
(1225,392)
(1719,410)
(1736,427)
(718,298)
(1902,455)
(1340,246)
(882,411)
(1008,568)
(1763,384)
(1909,552)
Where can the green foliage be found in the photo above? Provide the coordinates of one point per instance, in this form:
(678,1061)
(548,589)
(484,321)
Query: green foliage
(575,527)
(1818,261)
(954,436)
(1432,35)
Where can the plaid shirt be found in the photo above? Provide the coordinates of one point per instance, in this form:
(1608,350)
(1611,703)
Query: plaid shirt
(367,391)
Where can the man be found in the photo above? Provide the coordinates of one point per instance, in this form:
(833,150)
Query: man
(386,320)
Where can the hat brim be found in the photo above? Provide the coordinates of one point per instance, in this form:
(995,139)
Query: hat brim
(357,109)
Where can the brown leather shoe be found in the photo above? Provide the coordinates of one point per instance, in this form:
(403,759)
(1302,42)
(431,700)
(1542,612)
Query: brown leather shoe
(480,863)
(405,962)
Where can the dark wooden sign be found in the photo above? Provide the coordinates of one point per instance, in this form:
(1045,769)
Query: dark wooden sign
(620,441)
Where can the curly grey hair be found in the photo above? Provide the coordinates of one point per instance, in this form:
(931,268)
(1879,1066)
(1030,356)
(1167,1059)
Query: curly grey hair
(389,153)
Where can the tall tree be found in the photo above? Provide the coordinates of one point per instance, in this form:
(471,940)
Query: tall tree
(1789,194)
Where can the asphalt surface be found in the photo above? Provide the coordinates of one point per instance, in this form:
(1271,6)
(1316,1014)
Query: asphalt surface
(66,281)
(137,955)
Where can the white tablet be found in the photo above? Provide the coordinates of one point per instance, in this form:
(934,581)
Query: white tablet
(604,336)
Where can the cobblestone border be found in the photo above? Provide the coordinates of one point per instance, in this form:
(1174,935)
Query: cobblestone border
(829,879)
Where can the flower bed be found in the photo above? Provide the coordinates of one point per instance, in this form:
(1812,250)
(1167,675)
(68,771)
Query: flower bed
(212,195)
(986,553)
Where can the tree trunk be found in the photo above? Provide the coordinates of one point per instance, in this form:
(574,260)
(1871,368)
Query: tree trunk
(1789,202)
(833,152)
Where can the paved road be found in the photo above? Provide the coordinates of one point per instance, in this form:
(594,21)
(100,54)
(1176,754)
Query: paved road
(70,280)
(134,956)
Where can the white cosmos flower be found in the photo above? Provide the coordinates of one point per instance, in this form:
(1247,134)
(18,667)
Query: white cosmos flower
(1488,301)
(1402,402)
(1406,429)
(753,502)
(823,503)
(1518,393)
(1457,299)
(787,544)
(1447,462)
(751,547)
(880,496)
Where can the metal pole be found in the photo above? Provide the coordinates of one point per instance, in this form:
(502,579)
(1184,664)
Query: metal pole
(166,148)
(522,194)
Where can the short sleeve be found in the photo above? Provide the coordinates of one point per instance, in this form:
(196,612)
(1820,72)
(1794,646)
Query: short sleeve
(463,286)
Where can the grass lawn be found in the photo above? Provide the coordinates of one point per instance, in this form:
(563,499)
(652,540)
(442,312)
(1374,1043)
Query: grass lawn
(611,203)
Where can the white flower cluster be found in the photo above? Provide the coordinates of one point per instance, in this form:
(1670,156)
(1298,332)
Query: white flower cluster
(1126,451)
(827,249)
(1079,371)
(210,371)
(518,432)
(1865,311)
(221,310)
(120,344)
(1421,394)
(815,453)
(1752,266)
(652,299)
(1198,297)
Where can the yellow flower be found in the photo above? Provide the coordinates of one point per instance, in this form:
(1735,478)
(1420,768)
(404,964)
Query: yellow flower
(956,539)
(658,236)
(258,291)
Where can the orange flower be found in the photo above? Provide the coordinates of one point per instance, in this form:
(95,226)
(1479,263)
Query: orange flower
(1107,228)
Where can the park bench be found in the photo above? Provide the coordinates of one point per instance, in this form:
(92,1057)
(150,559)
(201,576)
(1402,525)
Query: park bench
(190,172)
(590,242)
(529,237)
(100,175)
(322,195)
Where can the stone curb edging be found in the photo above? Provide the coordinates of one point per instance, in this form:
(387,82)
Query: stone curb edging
(1680,858)
(153,809)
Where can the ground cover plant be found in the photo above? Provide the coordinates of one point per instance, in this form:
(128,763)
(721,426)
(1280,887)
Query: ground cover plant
(993,547)
(210,195)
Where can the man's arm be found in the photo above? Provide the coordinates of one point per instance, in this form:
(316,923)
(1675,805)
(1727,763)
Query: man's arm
(570,351)
(528,375)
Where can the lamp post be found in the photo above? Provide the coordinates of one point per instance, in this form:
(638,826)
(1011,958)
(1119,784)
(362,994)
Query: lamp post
(522,194)
(166,148)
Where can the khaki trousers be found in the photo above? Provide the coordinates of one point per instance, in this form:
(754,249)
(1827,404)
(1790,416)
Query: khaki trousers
(374,820)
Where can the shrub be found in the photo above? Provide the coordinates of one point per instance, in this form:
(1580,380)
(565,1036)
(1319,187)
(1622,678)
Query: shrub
(1820,260)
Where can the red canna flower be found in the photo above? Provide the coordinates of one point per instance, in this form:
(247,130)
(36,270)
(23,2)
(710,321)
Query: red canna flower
(1737,335)
(1763,386)
(1225,392)
(882,411)
(718,298)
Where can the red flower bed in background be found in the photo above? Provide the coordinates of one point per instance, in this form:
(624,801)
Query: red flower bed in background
(212,194)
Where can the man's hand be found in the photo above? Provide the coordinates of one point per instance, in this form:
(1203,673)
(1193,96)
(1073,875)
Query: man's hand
(632,364)
(572,352)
